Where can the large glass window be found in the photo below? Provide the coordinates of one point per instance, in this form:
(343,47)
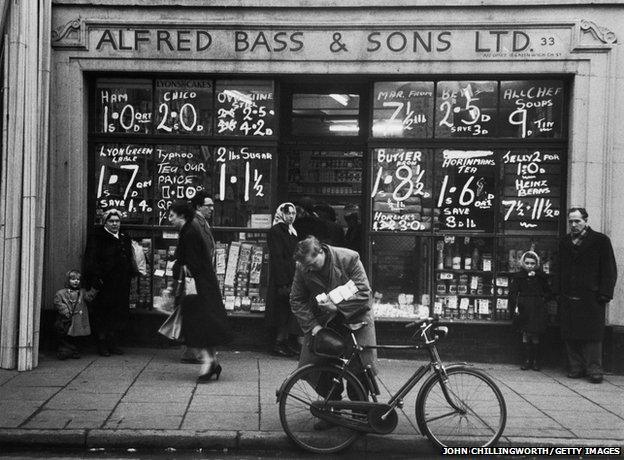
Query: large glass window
(157,140)
(333,114)
(479,181)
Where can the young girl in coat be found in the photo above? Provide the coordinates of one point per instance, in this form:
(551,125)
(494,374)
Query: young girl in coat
(529,293)
(72,316)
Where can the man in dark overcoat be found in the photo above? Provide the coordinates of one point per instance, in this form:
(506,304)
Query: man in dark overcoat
(587,278)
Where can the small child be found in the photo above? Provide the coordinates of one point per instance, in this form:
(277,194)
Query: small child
(529,293)
(72,316)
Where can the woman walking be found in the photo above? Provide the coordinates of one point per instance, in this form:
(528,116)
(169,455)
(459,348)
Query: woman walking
(282,240)
(109,268)
(204,321)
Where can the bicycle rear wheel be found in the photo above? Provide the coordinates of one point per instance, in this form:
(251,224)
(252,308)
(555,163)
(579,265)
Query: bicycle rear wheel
(317,384)
(482,413)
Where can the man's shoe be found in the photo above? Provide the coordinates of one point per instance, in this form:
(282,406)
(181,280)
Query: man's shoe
(575,374)
(595,378)
(322,425)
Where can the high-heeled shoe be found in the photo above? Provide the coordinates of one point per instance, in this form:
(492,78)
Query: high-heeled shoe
(214,370)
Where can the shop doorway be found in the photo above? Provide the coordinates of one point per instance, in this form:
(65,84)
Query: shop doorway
(323,155)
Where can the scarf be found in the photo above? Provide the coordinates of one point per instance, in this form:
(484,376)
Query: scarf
(279,217)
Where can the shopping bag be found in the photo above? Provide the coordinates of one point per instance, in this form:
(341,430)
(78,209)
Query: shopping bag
(190,288)
(140,263)
(172,327)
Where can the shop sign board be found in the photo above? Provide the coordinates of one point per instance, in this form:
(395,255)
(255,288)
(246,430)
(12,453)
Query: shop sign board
(329,42)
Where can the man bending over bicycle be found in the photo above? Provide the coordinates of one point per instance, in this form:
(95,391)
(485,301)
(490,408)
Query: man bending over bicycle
(320,269)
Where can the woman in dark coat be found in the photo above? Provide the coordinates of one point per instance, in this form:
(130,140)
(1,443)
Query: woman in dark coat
(204,321)
(529,293)
(109,268)
(282,239)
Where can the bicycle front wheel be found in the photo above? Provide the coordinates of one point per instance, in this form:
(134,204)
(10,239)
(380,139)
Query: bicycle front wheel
(472,413)
(318,384)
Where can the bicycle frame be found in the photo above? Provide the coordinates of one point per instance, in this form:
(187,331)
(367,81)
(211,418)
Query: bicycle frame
(435,364)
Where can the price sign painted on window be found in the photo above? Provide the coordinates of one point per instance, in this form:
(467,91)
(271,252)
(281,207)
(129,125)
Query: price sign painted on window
(466,190)
(245,108)
(123,177)
(184,107)
(466,108)
(531,190)
(123,106)
(402,190)
(403,109)
(531,109)
(181,171)
(242,183)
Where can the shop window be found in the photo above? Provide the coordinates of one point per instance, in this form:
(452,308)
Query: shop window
(124,179)
(531,109)
(403,109)
(402,190)
(464,270)
(245,108)
(481,203)
(466,109)
(123,106)
(182,124)
(241,266)
(465,199)
(509,255)
(531,198)
(334,114)
(400,272)
(184,107)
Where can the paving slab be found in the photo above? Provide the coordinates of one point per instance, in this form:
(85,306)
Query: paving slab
(67,419)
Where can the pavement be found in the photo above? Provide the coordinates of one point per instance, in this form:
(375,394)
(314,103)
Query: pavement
(148,399)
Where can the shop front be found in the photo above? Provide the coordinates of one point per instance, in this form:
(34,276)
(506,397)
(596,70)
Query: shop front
(448,148)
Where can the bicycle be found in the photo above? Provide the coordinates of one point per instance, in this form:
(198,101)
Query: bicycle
(457,405)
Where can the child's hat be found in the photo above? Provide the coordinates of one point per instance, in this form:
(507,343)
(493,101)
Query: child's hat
(531,255)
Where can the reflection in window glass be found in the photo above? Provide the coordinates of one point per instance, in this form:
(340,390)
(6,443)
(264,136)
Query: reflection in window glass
(325,114)
(400,274)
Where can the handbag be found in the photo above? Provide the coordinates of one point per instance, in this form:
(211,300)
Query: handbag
(190,288)
(172,327)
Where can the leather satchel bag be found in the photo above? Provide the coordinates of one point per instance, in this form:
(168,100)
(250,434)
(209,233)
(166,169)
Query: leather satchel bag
(172,327)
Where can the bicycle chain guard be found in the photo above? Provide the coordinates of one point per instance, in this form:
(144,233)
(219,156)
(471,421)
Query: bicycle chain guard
(357,415)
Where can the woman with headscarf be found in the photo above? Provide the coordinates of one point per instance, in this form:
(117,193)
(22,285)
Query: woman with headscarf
(282,239)
(109,268)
